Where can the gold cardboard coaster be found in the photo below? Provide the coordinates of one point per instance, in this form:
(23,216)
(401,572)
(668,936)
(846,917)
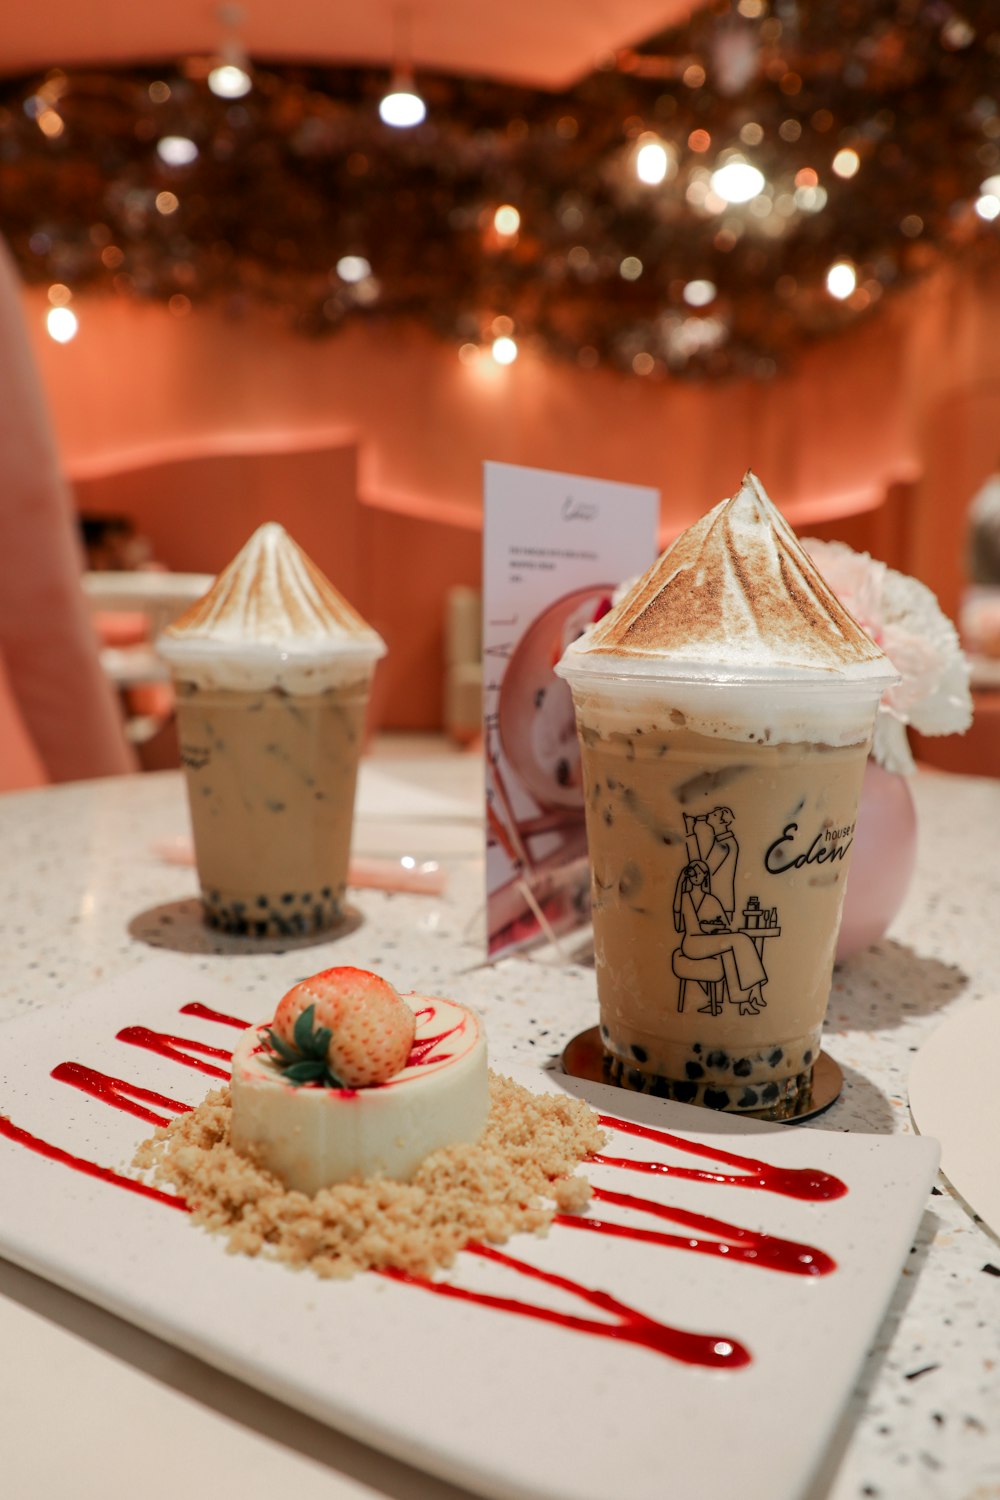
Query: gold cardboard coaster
(583,1057)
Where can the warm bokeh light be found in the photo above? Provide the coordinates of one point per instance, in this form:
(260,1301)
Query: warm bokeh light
(228,81)
(652,162)
(51,123)
(988,206)
(504,350)
(643,364)
(699,293)
(176,150)
(737,181)
(402,107)
(62,324)
(353,268)
(846,162)
(469,353)
(167,203)
(59,294)
(630,268)
(502,325)
(506,220)
(841,279)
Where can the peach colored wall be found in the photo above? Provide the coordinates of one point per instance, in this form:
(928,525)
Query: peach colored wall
(138,379)
(906,405)
(396,568)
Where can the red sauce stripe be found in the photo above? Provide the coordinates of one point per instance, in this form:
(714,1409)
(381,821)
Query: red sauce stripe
(117,1092)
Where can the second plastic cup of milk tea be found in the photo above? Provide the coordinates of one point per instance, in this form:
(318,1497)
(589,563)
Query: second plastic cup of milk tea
(725,709)
(272,670)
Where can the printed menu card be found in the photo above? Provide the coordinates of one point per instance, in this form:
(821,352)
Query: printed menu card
(556,547)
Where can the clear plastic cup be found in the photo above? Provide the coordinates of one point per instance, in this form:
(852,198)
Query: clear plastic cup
(720,817)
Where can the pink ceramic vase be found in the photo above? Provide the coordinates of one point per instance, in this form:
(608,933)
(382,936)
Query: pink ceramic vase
(882,861)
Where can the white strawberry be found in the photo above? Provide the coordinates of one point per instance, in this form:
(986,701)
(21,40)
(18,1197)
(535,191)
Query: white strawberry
(365,1029)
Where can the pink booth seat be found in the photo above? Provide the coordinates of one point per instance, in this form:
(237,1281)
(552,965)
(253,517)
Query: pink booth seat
(64,703)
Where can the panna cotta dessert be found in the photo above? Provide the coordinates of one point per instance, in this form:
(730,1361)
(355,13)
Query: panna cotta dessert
(351,1080)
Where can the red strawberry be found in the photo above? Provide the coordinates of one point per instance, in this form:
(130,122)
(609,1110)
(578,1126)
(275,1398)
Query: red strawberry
(372,1027)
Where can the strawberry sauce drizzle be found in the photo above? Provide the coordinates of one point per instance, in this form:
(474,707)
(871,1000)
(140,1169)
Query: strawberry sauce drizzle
(630,1326)
(13,1132)
(117,1092)
(731,1242)
(206,1013)
(176,1048)
(421,1053)
(790,1182)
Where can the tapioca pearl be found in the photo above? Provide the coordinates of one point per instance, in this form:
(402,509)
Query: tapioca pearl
(605,1034)
(694,1070)
(807,1056)
(696,1047)
(636,1079)
(717,1059)
(639,1053)
(775,1057)
(716,1099)
(683,1092)
(262,901)
(769,1093)
(743,1067)
(326,892)
(749,1099)
(287,898)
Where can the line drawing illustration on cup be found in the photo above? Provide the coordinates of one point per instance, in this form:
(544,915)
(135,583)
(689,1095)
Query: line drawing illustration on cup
(727,963)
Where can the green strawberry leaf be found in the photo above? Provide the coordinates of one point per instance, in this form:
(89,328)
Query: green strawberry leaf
(303,1030)
(280,1046)
(311,1070)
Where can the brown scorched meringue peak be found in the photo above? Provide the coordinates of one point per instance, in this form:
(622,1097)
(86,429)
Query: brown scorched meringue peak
(271,618)
(271,592)
(735,588)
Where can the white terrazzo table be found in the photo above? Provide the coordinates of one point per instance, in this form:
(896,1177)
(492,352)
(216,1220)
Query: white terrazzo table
(89,1403)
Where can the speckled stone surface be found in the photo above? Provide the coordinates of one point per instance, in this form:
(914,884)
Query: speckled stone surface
(85,896)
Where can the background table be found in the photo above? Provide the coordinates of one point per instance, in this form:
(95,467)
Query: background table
(93,1407)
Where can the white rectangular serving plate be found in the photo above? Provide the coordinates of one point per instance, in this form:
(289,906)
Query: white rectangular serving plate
(505,1404)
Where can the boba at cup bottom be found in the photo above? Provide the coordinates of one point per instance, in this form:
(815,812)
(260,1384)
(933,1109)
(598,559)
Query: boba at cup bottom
(782,1099)
(266,915)
(585,1057)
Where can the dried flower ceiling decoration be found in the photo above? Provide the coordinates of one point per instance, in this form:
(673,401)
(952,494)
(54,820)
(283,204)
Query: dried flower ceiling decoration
(703,205)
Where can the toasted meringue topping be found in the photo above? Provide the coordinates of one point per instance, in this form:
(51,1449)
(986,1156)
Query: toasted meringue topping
(271,605)
(272,593)
(734,591)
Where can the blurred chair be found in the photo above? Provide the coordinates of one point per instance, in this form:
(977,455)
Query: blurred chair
(463,683)
(129,609)
(66,706)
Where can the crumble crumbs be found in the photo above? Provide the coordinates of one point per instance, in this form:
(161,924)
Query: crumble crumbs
(514,1178)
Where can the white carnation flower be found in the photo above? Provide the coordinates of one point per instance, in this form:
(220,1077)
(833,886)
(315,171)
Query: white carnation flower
(904,618)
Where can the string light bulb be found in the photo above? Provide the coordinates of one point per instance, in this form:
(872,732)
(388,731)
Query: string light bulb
(736,181)
(653,161)
(401,105)
(841,280)
(62,324)
(230,77)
